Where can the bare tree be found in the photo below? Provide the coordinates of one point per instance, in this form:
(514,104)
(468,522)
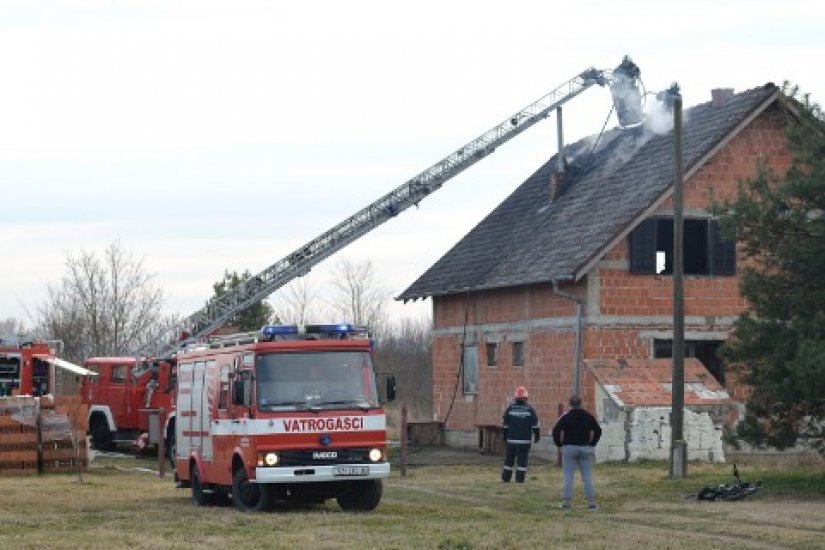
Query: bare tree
(357,296)
(103,305)
(298,302)
(12,327)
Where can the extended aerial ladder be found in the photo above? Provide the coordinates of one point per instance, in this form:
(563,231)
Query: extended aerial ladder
(623,82)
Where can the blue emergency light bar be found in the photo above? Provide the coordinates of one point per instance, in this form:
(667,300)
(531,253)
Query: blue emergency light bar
(340,329)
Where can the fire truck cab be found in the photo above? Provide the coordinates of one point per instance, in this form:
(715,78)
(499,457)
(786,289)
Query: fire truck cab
(129,397)
(27,367)
(24,370)
(290,413)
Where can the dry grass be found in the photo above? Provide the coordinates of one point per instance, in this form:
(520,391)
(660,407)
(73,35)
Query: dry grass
(457,506)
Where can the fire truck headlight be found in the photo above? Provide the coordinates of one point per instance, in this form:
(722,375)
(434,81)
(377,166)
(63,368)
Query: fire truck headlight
(376,455)
(268,459)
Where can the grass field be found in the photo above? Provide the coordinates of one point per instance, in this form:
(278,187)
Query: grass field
(455,503)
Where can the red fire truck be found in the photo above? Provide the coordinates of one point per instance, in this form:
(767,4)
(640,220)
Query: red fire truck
(128,398)
(27,367)
(290,413)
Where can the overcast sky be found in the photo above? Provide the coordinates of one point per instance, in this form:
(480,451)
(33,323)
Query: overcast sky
(212,135)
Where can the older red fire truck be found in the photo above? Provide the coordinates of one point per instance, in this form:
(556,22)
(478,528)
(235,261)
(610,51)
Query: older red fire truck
(24,370)
(130,400)
(27,366)
(290,413)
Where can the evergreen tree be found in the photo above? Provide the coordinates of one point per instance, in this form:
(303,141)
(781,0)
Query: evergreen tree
(253,317)
(778,345)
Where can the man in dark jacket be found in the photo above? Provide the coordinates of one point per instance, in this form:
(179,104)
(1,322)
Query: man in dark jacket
(577,433)
(520,423)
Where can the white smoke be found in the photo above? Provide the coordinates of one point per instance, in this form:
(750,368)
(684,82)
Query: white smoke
(658,118)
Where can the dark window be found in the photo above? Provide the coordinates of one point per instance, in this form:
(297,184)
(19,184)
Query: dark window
(705,250)
(9,374)
(703,350)
(518,354)
(40,377)
(118,374)
(492,354)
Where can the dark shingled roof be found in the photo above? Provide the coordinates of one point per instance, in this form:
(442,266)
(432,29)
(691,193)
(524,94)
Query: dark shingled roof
(530,239)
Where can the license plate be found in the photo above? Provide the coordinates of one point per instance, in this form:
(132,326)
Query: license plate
(350,470)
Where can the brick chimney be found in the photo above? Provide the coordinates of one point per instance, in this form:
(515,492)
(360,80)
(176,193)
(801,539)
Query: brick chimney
(720,95)
(556,184)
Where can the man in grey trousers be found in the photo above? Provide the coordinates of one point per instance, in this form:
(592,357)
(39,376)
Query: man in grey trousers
(577,433)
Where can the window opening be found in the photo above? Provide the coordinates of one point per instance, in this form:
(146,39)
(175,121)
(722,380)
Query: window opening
(40,377)
(470,370)
(9,374)
(703,350)
(118,374)
(492,354)
(705,250)
(316,379)
(223,394)
(518,354)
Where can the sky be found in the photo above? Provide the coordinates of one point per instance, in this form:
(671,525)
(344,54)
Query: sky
(209,135)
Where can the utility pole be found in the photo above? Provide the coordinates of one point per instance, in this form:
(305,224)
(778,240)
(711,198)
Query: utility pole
(678,446)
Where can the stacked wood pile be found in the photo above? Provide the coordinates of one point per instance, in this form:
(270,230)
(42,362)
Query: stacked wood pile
(63,434)
(42,435)
(18,441)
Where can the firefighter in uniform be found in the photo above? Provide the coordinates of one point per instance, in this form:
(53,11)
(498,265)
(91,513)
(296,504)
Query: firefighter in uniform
(520,423)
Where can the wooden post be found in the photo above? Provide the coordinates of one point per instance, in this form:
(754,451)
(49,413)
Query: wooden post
(678,446)
(403,436)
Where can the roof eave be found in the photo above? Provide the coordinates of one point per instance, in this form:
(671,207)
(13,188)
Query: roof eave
(563,278)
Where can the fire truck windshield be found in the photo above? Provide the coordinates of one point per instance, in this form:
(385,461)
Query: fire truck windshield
(328,379)
(9,374)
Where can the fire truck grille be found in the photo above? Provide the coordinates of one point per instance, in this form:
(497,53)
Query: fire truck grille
(331,456)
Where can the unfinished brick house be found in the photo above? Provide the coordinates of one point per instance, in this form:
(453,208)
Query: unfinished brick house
(574,269)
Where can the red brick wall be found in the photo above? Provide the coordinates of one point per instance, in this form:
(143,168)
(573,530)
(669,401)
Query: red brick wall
(500,306)
(623,293)
(548,354)
(549,340)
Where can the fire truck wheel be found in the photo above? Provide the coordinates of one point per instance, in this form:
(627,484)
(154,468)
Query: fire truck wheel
(250,497)
(101,436)
(199,497)
(364,496)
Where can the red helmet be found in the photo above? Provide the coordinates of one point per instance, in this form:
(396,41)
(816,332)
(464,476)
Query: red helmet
(520,393)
